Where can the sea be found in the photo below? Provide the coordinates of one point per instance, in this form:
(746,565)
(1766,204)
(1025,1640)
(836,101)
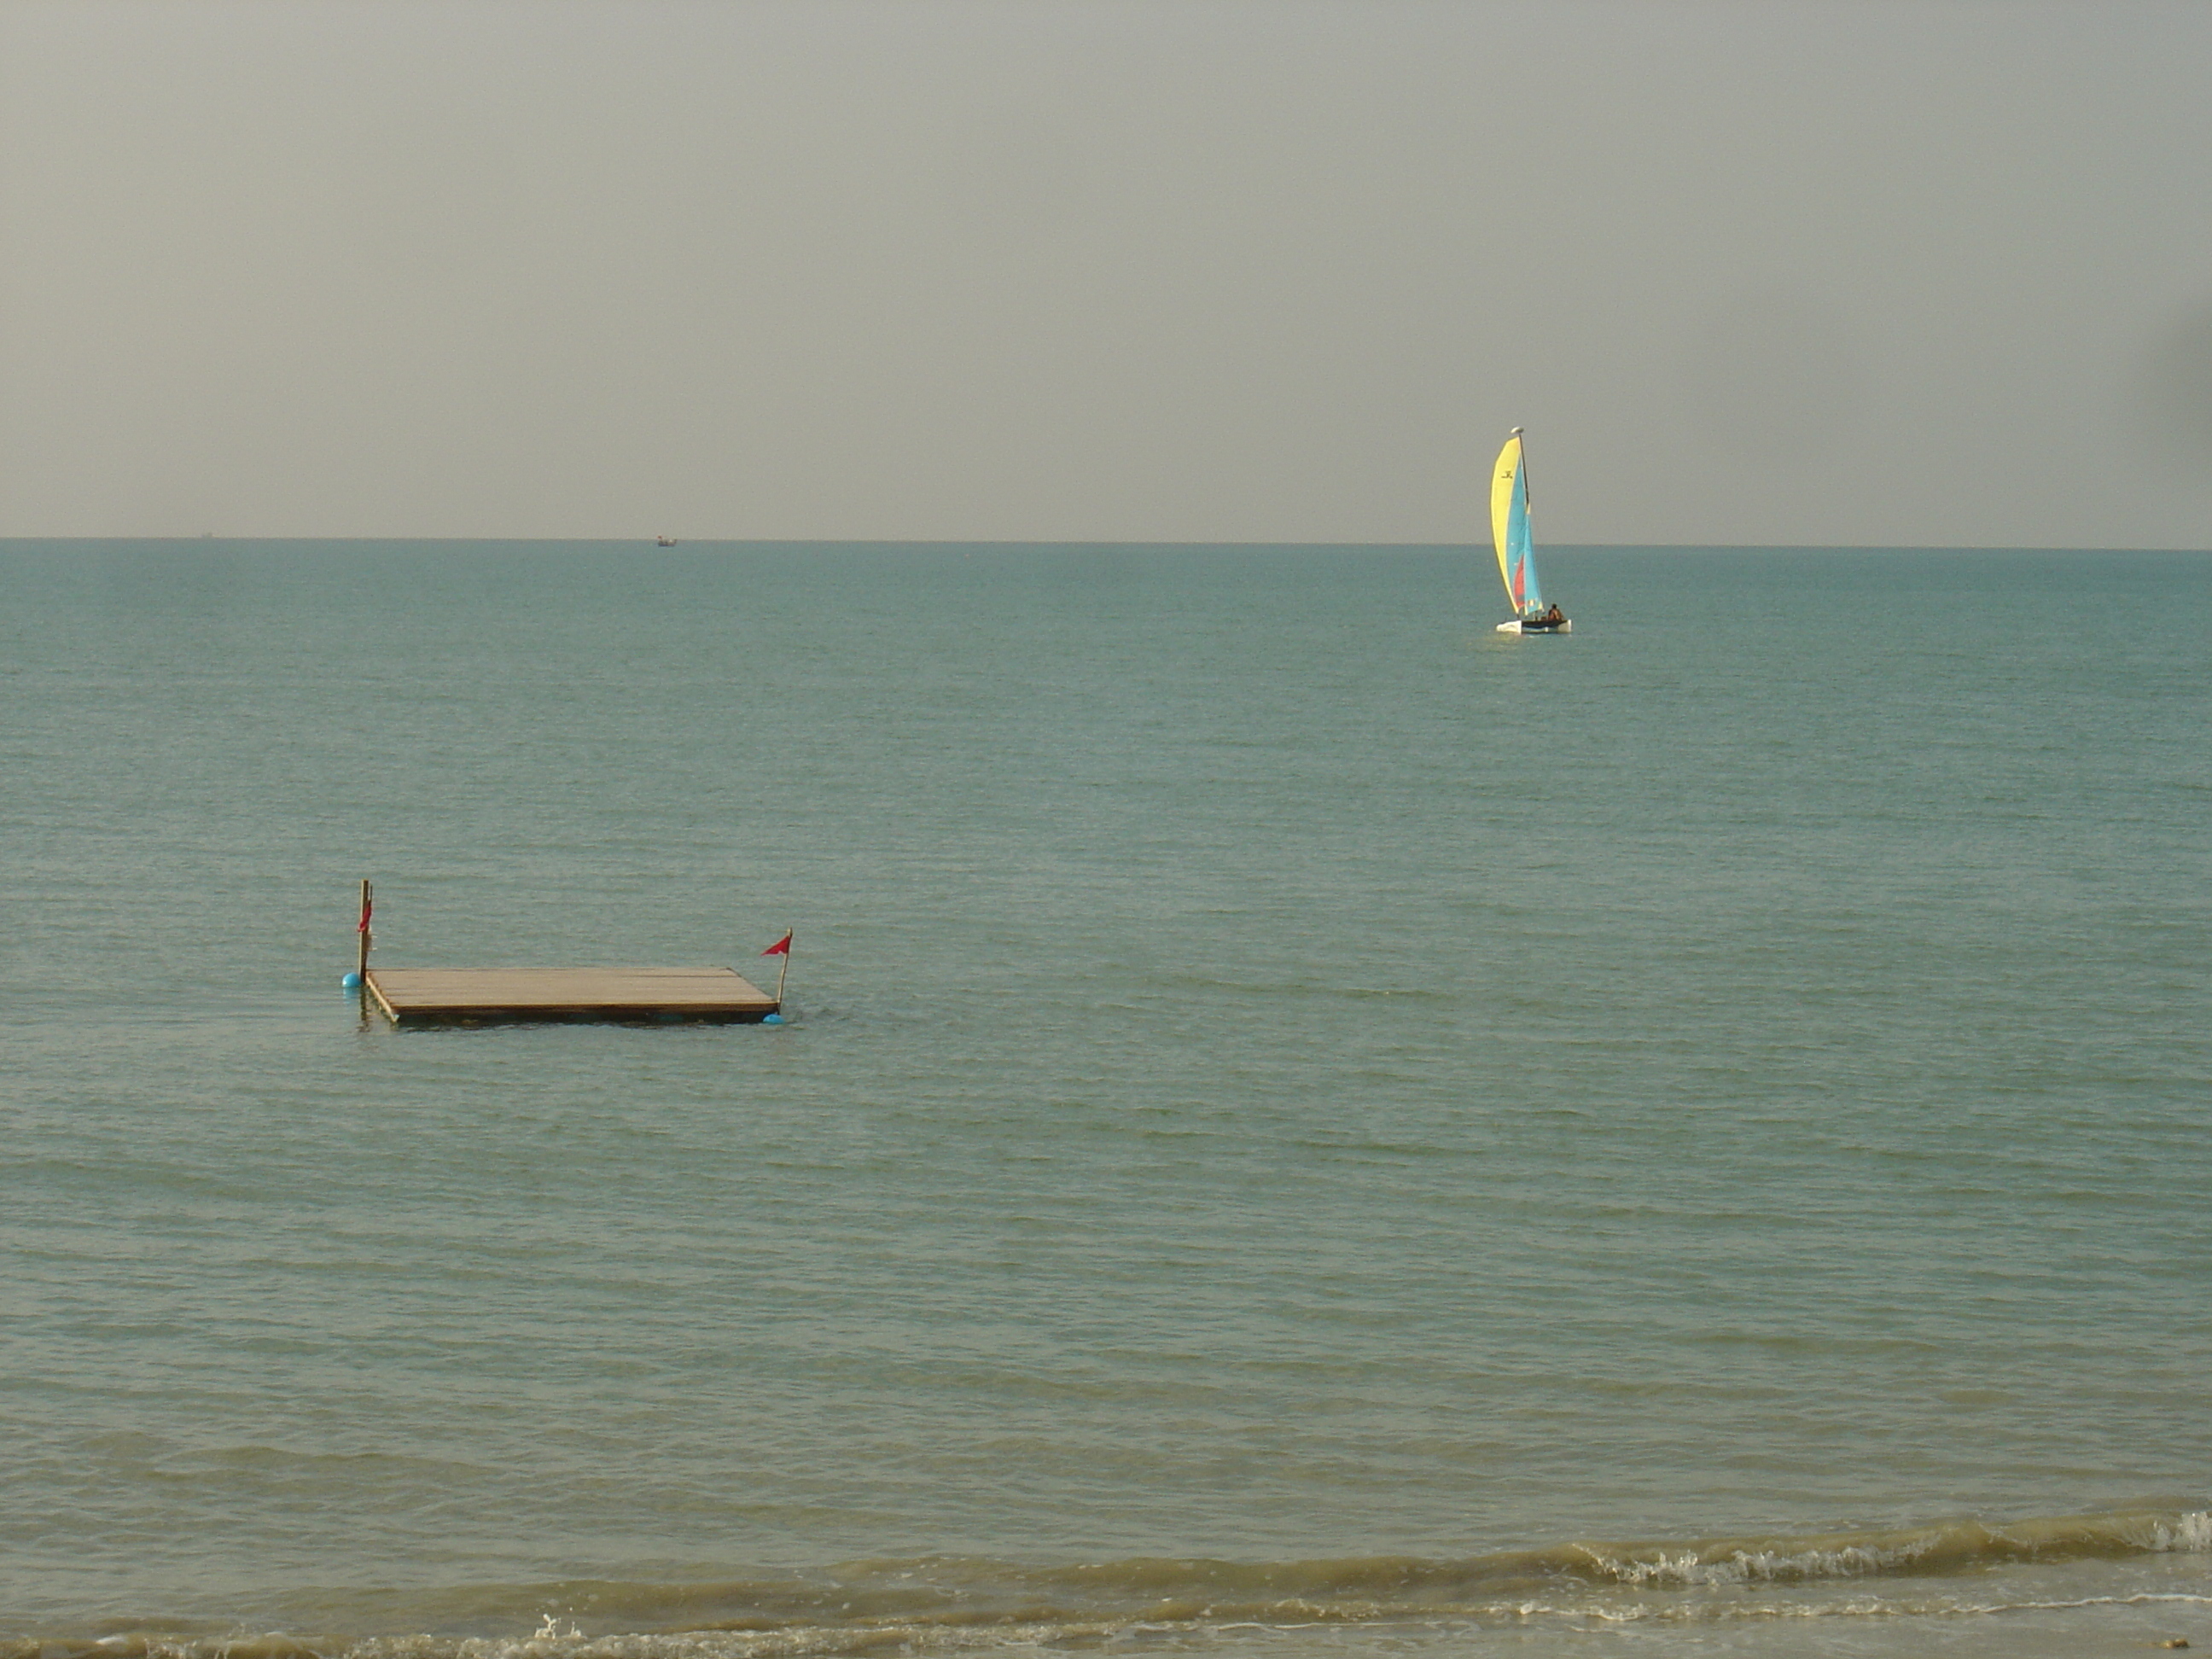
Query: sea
(1306,1128)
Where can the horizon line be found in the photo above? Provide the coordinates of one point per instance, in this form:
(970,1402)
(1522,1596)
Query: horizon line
(653,544)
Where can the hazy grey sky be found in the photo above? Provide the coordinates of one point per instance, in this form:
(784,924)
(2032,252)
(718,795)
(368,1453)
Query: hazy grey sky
(1918,273)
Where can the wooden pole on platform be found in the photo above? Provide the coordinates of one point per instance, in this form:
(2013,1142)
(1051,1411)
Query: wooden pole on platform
(368,903)
(780,948)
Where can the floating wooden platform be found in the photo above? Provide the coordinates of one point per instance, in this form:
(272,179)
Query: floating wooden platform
(488,996)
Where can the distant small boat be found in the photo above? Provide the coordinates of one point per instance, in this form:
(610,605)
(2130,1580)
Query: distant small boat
(1516,558)
(664,541)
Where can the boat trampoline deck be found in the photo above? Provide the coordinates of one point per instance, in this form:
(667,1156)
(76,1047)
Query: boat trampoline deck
(506,996)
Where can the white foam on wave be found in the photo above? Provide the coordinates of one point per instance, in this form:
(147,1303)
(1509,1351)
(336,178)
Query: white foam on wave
(2190,1534)
(1690,1569)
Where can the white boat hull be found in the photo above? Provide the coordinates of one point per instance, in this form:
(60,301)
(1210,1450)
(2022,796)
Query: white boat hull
(1515,628)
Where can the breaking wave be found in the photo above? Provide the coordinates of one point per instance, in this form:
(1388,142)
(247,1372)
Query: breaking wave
(931,1604)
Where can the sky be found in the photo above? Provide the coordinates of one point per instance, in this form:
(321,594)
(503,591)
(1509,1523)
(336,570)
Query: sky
(1924,274)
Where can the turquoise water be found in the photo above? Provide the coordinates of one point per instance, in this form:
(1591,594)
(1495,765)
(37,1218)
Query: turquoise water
(1306,1126)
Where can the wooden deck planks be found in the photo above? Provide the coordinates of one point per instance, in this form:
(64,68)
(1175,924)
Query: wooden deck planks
(512,995)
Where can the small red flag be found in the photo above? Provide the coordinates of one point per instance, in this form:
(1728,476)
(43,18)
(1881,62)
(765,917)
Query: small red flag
(780,948)
(367,905)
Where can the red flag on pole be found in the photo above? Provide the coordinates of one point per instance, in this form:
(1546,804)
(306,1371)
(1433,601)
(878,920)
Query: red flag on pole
(780,948)
(368,905)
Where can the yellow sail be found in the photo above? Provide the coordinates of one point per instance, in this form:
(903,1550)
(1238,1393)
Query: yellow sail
(1503,488)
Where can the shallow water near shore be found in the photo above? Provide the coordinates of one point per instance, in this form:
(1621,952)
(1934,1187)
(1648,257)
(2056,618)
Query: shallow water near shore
(1306,1127)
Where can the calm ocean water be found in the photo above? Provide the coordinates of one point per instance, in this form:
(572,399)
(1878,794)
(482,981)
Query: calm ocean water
(1307,1128)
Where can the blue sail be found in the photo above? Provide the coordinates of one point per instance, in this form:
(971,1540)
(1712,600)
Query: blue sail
(1520,556)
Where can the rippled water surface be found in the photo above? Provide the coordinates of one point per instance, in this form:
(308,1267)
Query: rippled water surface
(1305,1126)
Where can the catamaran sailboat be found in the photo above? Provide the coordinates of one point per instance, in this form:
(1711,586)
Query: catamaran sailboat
(1516,559)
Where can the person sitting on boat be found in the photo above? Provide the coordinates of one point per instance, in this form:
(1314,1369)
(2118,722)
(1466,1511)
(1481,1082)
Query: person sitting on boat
(1554,615)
